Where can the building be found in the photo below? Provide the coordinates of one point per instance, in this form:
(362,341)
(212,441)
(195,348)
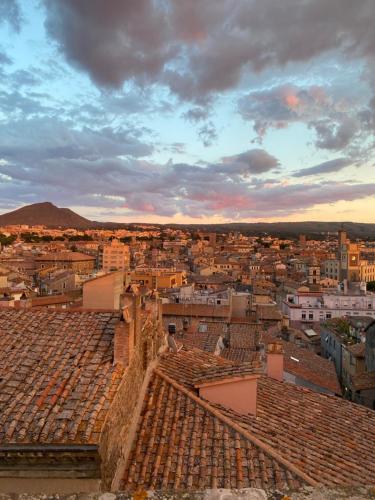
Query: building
(331,269)
(313,272)
(114,256)
(352,266)
(364,382)
(341,340)
(56,281)
(310,306)
(92,401)
(103,292)
(76,261)
(207,423)
(156,279)
(69,392)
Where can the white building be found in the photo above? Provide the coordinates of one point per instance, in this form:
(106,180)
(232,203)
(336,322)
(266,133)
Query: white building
(319,306)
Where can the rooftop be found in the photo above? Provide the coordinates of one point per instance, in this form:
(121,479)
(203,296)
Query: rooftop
(329,439)
(57,378)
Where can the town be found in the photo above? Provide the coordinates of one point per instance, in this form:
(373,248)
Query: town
(187,250)
(116,344)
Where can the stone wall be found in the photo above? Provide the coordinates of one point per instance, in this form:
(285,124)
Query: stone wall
(119,427)
(308,493)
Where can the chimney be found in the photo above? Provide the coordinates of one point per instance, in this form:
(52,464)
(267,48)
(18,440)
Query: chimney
(124,339)
(275,360)
(236,393)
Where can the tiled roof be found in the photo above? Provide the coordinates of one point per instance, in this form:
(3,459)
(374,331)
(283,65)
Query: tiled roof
(64,256)
(189,365)
(182,443)
(57,378)
(330,439)
(50,300)
(268,312)
(307,365)
(243,338)
(202,310)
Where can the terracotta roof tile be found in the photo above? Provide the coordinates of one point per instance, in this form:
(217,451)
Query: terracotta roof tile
(307,365)
(196,310)
(56,375)
(183,444)
(330,439)
(65,257)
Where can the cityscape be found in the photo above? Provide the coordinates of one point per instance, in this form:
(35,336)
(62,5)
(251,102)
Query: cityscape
(187,249)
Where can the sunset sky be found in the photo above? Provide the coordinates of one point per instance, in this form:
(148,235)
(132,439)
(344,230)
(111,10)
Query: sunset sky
(189,110)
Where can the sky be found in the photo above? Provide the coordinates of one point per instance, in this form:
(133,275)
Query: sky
(189,111)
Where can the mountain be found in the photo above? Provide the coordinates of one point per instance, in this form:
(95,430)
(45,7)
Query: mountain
(49,215)
(45,214)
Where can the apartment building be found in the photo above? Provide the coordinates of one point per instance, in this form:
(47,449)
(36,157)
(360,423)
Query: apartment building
(114,256)
(318,306)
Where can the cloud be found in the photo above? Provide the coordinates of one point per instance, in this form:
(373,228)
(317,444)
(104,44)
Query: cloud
(335,135)
(280,106)
(324,168)
(203,47)
(11,14)
(109,168)
(4,59)
(207,134)
(46,139)
(196,114)
(254,161)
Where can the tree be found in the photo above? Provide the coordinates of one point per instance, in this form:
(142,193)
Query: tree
(7,240)
(371,286)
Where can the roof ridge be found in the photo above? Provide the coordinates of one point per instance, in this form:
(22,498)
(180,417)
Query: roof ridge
(246,434)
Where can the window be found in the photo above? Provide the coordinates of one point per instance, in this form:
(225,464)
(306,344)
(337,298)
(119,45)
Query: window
(303,315)
(311,316)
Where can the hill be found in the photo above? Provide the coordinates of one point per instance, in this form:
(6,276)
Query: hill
(45,214)
(50,215)
(312,229)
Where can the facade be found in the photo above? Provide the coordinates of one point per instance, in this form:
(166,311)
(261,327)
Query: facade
(59,281)
(76,261)
(352,266)
(320,306)
(157,279)
(342,342)
(104,292)
(313,273)
(114,256)
(364,382)
(331,269)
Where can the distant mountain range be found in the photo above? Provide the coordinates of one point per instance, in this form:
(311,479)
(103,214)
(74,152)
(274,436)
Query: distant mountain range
(48,214)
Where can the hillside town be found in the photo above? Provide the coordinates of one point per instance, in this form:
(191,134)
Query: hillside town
(157,358)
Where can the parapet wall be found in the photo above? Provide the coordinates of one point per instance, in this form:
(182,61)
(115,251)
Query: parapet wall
(116,435)
(355,493)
